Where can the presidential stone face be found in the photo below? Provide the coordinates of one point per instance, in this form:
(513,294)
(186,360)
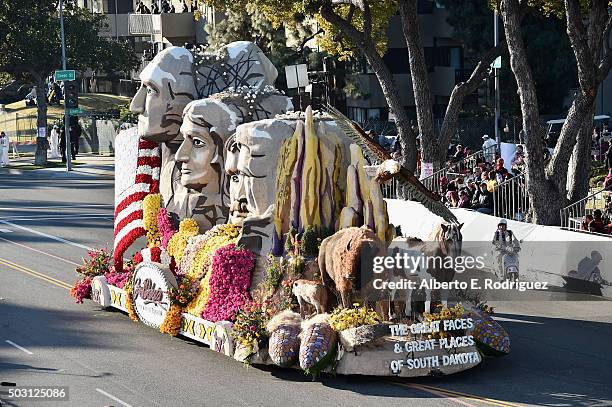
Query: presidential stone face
(259,144)
(207,124)
(238,203)
(168,85)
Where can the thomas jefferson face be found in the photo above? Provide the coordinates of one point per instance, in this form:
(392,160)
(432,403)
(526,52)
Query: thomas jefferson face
(167,87)
(196,154)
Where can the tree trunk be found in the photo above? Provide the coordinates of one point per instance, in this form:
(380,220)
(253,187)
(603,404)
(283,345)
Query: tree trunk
(545,200)
(40,158)
(390,90)
(432,151)
(580,162)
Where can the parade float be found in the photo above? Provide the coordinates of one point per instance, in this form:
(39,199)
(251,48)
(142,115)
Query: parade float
(258,222)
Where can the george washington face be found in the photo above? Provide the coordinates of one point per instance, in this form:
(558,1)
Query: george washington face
(168,85)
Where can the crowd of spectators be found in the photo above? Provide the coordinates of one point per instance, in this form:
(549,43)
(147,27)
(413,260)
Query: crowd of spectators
(164,7)
(599,221)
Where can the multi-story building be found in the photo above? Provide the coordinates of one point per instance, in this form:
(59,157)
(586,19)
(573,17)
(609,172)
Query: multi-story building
(147,33)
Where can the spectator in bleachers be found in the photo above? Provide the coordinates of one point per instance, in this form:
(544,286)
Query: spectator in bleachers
(597,224)
(491,181)
(452,199)
(518,162)
(477,174)
(459,154)
(586,220)
(464,199)
(608,181)
(608,157)
(443,185)
(471,188)
(483,200)
(500,170)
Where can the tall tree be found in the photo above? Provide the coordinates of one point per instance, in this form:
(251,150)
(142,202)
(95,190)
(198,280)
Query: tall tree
(30,37)
(547,182)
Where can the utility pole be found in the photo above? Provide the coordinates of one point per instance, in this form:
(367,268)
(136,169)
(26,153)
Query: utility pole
(66,116)
(497,90)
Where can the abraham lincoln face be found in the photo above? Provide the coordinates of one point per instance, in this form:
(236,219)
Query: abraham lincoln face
(167,87)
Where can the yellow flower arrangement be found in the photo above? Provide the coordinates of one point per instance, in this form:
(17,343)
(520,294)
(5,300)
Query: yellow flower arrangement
(187,228)
(217,237)
(172,322)
(129,303)
(345,318)
(445,313)
(150,208)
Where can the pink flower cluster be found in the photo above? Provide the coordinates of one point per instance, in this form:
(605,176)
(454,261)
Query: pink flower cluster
(164,226)
(229,283)
(119,280)
(81,290)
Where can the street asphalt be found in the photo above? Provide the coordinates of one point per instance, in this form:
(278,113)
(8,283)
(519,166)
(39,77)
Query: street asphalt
(560,351)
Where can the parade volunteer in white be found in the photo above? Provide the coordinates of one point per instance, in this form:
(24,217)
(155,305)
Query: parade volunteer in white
(54,149)
(4,150)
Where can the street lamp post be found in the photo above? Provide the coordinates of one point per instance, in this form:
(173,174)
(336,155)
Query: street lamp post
(497,90)
(66,116)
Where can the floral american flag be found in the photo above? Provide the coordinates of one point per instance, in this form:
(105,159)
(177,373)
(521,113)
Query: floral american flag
(137,168)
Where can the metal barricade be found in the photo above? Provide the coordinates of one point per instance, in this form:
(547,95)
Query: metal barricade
(511,200)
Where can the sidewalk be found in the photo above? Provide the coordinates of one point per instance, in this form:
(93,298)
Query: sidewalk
(88,165)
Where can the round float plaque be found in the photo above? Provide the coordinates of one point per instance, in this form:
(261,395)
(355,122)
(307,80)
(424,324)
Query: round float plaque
(151,283)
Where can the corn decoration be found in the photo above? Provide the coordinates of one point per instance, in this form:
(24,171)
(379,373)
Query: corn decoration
(491,338)
(318,345)
(284,342)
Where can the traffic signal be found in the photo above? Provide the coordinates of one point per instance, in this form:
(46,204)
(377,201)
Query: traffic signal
(71,98)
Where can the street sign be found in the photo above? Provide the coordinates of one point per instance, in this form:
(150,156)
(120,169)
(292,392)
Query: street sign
(67,75)
(75,111)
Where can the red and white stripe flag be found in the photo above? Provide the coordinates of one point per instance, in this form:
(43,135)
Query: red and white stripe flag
(137,167)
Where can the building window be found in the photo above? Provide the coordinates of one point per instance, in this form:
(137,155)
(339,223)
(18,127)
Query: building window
(397,60)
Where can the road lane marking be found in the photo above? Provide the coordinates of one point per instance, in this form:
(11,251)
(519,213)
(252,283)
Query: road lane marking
(67,217)
(48,236)
(40,251)
(25,208)
(473,397)
(55,214)
(110,396)
(18,347)
(503,319)
(445,396)
(36,274)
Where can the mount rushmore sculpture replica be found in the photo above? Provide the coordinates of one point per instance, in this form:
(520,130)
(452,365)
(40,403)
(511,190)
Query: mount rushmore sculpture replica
(259,224)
